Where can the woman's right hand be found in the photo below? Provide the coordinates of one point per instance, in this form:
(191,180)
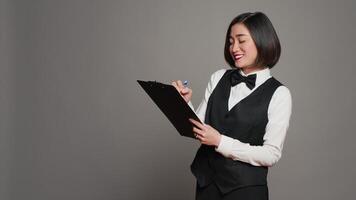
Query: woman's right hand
(185,92)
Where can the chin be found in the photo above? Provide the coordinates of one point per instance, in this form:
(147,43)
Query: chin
(238,66)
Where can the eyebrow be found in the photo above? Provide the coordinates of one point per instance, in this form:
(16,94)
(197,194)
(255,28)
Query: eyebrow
(239,35)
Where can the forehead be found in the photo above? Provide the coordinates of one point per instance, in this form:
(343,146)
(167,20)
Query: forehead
(239,30)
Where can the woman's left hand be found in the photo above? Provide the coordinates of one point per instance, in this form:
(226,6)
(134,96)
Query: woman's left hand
(206,134)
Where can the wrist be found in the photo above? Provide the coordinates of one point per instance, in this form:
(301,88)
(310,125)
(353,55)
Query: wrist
(218,141)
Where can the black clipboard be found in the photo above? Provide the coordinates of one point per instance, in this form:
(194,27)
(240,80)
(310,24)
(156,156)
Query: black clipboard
(172,104)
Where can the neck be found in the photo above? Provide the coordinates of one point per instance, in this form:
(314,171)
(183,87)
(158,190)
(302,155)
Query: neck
(249,70)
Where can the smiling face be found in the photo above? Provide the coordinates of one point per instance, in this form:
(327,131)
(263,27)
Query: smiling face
(243,49)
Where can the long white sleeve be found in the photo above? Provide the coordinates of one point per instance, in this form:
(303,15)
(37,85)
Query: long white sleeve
(215,77)
(190,104)
(279,112)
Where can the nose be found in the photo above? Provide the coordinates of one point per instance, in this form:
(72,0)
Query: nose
(235,47)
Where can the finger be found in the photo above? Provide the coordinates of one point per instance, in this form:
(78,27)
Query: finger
(180,84)
(174,83)
(196,135)
(198,131)
(201,139)
(186,90)
(197,124)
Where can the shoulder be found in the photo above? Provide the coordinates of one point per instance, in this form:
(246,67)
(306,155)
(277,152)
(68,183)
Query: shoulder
(280,107)
(281,97)
(283,91)
(216,76)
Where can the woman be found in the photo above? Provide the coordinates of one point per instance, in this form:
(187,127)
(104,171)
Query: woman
(246,115)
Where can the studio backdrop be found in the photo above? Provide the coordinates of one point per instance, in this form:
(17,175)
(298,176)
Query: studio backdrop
(74,123)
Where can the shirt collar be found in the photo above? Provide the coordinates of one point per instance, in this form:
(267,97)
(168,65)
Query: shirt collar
(261,75)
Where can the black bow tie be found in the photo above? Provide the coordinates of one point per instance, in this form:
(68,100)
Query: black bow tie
(237,78)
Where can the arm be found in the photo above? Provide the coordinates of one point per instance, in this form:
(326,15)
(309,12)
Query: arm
(279,112)
(190,104)
(214,79)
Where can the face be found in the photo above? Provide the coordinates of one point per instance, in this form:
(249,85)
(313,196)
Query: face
(242,48)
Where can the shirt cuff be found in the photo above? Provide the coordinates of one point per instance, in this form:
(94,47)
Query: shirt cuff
(225,146)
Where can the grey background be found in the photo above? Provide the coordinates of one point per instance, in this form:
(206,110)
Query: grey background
(75,124)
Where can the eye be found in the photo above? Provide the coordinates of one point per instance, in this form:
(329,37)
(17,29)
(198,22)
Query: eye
(242,41)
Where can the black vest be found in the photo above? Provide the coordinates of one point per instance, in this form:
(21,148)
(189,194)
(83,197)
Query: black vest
(246,121)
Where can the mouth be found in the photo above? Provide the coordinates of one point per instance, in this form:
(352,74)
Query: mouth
(238,56)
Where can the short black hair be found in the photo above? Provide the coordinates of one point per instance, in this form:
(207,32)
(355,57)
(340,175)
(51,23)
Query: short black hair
(262,33)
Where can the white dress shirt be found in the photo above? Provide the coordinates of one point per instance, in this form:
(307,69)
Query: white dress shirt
(279,112)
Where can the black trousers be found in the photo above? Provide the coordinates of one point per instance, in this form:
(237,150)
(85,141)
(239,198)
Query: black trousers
(211,192)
